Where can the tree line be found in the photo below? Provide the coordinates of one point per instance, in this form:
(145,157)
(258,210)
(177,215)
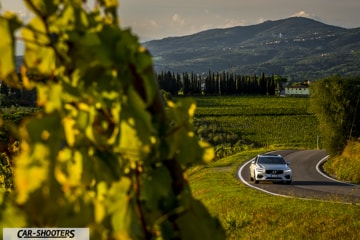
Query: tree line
(11,96)
(335,103)
(219,83)
(211,83)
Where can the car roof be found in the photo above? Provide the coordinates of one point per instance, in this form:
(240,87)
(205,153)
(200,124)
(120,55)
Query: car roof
(269,155)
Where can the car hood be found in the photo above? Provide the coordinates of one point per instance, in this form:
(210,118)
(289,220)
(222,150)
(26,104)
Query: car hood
(275,166)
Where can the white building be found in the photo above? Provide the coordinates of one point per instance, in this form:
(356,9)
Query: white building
(301,91)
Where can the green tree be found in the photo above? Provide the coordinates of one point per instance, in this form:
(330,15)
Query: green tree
(104,152)
(278,81)
(334,101)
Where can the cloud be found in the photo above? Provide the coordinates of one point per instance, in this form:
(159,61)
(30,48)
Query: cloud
(301,14)
(178,19)
(306,15)
(154,24)
(226,23)
(260,20)
(233,23)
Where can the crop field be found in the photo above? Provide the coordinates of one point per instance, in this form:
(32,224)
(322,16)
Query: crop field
(261,120)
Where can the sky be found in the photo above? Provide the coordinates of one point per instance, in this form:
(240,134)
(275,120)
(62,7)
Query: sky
(156,19)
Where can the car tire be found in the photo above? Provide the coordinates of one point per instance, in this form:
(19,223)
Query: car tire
(288,182)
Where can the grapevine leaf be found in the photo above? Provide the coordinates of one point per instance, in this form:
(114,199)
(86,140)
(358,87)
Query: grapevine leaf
(31,171)
(111,3)
(33,162)
(144,70)
(181,128)
(8,24)
(124,219)
(206,227)
(39,57)
(143,117)
(135,126)
(82,120)
(89,132)
(155,191)
(115,112)
(89,52)
(102,147)
(100,210)
(208,151)
(104,162)
(68,173)
(130,143)
(70,132)
(190,151)
(10,216)
(49,96)
(43,7)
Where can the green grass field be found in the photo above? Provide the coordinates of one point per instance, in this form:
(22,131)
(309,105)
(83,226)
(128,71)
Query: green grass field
(268,123)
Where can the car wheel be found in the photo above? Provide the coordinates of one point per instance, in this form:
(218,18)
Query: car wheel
(288,182)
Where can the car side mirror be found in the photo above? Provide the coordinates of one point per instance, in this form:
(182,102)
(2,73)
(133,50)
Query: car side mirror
(288,163)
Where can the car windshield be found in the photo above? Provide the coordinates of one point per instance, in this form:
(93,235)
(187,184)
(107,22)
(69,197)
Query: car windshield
(271,160)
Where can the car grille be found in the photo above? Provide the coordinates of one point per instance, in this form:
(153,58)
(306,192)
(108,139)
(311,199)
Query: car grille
(274,171)
(273,178)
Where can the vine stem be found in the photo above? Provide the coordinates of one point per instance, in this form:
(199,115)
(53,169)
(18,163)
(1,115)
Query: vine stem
(140,213)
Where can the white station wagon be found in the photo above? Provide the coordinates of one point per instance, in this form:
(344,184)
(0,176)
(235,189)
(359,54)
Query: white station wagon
(270,167)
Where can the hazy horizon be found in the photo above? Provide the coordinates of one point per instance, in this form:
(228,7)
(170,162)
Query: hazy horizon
(158,19)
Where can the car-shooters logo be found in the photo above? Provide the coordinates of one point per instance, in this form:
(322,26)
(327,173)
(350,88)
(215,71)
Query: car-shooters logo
(46,233)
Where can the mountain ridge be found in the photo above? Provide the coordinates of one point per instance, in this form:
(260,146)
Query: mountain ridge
(298,48)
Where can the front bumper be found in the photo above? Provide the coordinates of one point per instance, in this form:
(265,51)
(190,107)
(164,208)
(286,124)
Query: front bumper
(273,177)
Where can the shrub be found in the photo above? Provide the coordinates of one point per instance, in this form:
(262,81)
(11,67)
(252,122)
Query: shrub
(346,166)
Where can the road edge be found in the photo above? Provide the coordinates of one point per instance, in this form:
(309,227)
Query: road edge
(318,169)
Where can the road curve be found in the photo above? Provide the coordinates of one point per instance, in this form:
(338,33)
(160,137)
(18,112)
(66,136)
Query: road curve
(308,180)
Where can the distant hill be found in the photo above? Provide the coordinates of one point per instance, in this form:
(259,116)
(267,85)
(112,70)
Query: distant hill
(297,48)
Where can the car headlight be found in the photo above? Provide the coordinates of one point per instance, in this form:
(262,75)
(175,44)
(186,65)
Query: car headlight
(287,170)
(260,170)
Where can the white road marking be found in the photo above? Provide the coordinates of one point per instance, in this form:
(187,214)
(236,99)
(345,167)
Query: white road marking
(326,176)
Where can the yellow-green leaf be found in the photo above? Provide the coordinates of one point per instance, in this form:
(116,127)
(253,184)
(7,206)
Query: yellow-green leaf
(49,96)
(7,49)
(209,152)
(43,7)
(111,3)
(31,170)
(39,57)
(70,132)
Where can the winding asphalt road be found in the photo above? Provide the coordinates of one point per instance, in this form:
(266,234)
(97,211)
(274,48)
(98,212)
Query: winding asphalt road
(309,181)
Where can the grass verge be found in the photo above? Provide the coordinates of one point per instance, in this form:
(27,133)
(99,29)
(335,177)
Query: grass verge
(346,166)
(246,213)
